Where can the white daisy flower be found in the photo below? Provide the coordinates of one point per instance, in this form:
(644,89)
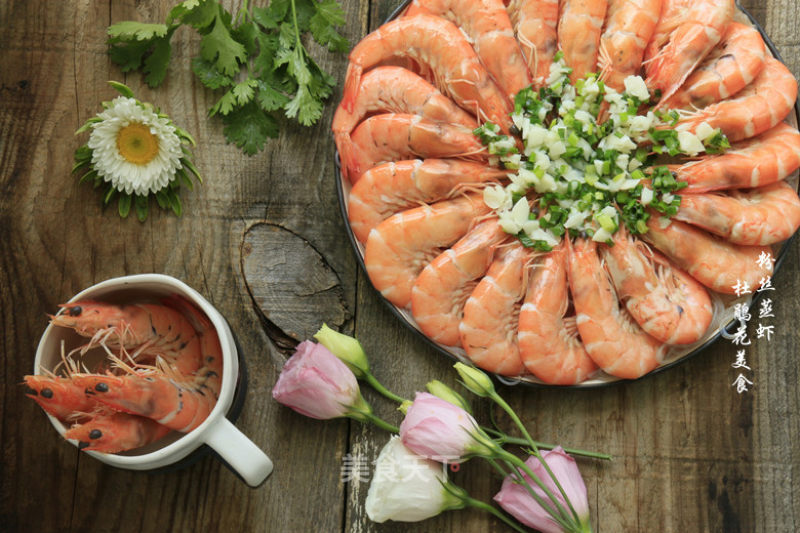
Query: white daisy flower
(138,152)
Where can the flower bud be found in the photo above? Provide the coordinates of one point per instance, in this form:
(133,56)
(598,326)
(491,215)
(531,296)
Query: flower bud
(346,348)
(476,381)
(439,389)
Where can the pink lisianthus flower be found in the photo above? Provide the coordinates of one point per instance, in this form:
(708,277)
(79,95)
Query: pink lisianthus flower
(439,430)
(315,383)
(517,501)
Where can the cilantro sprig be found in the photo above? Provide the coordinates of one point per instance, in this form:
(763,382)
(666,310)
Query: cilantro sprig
(255,60)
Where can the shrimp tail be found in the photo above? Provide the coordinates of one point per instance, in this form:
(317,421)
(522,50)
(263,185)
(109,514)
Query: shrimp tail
(351,168)
(351,84)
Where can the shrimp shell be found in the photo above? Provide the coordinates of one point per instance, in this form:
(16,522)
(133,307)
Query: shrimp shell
(398,136)
(535,23)
(548,340)
(758,107)
(491,314)
(732,65)
(487,24)
(113,432)
(719,265)
(762,160)
(580,25)
(439,45)
(403,244)
(761,216)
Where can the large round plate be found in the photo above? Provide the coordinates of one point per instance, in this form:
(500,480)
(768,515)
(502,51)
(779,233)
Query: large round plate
(724,321)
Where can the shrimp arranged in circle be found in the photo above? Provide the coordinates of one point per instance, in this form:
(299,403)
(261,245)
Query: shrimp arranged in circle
(719,265)
(761,216)
(438,44)
(757,108)
(770,157)
(491,314)
(580,25)
(391,187)
(611,338)
(395,90)
(402,245)
(668,304)
(548,339)
(629,27)
(487,24)
(442,288)
(535,23)
(698,27)
(399,136)
(732,65)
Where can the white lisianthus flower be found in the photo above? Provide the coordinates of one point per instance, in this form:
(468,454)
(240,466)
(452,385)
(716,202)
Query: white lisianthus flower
(407,487)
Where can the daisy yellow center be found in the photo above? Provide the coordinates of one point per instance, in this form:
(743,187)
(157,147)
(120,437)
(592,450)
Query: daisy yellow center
(137,144)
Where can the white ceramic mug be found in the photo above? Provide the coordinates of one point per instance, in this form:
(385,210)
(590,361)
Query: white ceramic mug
(217,431)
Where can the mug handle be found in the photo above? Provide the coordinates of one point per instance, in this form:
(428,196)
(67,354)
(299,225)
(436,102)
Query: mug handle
(239,452)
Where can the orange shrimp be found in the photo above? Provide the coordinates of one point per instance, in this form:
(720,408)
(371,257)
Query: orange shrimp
(150,329)
(491,314)
(59,396)
(719,265)
(698,27)
(548,339)
(396,90)
(439,45)
(579,27)
(442,288)
(732,65)
(403,244)
(535,23)
(487,25)
(398,136)
(761,216)
(391,187)
(762,160)
(668,304)
(113,432)
(160,394)
(758,107)
(611,338)
(629,27)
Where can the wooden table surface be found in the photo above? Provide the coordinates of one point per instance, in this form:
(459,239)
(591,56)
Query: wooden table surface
(263,240)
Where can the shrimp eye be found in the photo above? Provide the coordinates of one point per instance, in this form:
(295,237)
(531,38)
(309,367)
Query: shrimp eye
(47,393)
(95,434)
(75,310)
(101,387)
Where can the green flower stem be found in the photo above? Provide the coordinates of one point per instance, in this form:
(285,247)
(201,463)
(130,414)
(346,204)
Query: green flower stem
(507,408)
(489,509)
(502,438)
(381,423)
(375,384)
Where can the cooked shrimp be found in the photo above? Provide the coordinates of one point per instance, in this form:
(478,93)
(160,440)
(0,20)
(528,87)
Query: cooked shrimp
(149,329)
(396,90)
(611,338)
(758,107)
(391,187)
(579,27)
(761,216)
(439,45)
(403,244)
(548,340)
(770,157)
(491,314)
(719,265)
(487,25)
(700,26)
(629,27)
(59,396)
(113,432)
(535,23)
(398,136)
(442,288)
(732,65)
(668,304)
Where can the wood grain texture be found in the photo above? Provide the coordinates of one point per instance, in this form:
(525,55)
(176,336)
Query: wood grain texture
(690,454)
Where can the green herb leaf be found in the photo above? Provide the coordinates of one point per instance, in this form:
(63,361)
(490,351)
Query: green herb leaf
(219,48)
(130,30)
(249,127)
(209,75)
(155,66)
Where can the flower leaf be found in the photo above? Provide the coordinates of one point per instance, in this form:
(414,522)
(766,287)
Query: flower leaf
(122,89)
(141,207)
(193,169)
(163,199)
(174,202)
(110,193)
(124,205)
